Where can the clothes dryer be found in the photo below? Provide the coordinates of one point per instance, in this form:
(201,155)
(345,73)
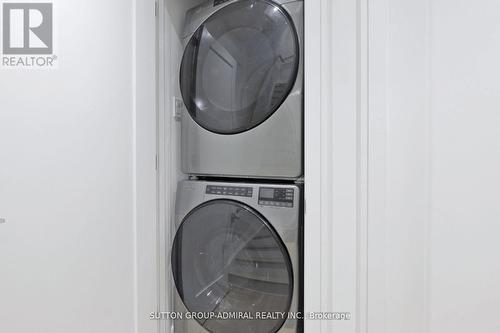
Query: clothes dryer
(241,80)
(238,251)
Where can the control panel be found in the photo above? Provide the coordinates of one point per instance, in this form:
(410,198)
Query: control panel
(238,191)
(218,2)
(277,197)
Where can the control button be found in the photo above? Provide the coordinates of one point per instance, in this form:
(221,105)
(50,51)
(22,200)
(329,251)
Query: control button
(230,190)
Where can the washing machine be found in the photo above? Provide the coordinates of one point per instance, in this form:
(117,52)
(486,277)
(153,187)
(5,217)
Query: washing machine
(241,79)
(236,258)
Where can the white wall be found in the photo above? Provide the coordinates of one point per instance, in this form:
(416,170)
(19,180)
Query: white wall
(67,179)
(465,162)
(436,148)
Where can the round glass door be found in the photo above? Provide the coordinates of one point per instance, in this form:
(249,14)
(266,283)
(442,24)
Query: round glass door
(227,260)
(239,66)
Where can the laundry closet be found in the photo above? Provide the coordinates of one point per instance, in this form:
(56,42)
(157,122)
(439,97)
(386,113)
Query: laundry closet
(231,138)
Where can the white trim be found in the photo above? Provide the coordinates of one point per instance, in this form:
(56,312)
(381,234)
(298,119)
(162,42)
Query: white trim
(398,166)
(363,167)
(134,163)
(312,83)
(144,160)
(163,163)
(377,87)
(427,238)
(336,167)
(168,153)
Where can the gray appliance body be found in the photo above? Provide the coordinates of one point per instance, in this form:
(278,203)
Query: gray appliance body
(243,120)
(237,249)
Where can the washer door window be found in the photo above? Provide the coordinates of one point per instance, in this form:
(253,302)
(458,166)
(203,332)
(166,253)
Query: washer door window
(227,260)
(239,66)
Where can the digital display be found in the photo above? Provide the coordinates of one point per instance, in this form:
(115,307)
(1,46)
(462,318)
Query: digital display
(276,197)
(267,193)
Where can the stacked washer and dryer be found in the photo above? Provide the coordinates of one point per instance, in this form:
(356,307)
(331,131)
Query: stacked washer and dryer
(237,251)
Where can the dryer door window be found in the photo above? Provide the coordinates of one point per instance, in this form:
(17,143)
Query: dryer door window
(239,66)
(227,259)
